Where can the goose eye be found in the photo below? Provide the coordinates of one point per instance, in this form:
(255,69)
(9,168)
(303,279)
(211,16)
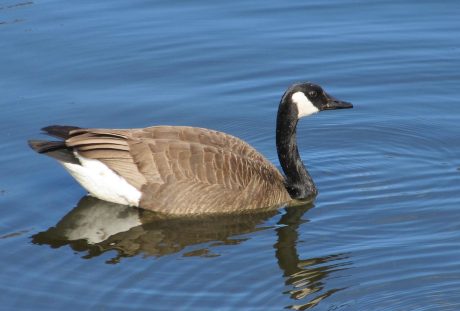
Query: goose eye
(312,94)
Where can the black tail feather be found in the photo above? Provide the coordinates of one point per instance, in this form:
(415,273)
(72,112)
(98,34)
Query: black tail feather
(59,131)
(55,149)
(43,146)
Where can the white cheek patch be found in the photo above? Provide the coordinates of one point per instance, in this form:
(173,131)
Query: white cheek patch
(304,106)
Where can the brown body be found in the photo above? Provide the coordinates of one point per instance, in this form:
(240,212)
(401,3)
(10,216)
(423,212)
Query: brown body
(184,170)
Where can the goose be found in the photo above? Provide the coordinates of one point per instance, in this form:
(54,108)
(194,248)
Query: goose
(181,170)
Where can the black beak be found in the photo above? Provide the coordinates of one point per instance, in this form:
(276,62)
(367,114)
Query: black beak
(334,103)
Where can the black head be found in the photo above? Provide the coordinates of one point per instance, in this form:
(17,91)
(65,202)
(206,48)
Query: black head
(309,98)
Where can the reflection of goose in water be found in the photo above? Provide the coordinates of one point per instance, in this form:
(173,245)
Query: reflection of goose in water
(305,276)
(97,226)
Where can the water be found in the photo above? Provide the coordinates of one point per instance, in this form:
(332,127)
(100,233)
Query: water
(383,233)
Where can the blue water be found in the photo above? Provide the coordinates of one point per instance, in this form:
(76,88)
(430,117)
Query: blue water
(384,231)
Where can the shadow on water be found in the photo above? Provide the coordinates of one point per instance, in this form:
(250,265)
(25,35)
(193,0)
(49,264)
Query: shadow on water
(96,226)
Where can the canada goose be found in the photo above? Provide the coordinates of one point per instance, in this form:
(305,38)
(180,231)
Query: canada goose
(188,170)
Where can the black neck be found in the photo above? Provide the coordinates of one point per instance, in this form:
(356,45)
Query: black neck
(298,182)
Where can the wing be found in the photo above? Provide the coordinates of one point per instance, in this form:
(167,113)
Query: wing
(109,147)
(185,169)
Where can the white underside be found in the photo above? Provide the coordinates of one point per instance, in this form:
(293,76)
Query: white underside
(103,183)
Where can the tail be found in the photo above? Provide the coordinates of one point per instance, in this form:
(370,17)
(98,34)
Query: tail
(59,131)
(56,149)
(43,146)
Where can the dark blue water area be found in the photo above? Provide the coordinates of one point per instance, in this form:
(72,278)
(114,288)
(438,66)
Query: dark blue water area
(384,231)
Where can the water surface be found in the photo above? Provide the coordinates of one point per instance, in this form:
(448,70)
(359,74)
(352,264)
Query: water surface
(383,233)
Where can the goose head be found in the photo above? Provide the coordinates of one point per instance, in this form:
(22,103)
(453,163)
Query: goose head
(304,99)
(300,100)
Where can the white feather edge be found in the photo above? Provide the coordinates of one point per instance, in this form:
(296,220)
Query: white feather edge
(101,182)
(304,106)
